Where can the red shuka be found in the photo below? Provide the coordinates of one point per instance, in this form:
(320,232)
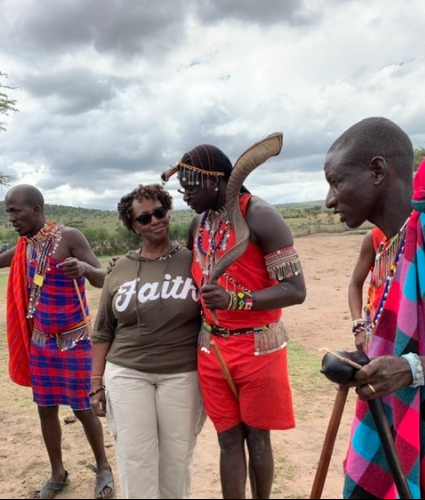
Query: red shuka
(250,272)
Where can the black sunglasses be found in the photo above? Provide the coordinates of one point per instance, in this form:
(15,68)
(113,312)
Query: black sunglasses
(145,219)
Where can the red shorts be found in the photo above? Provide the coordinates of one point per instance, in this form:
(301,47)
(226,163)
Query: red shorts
(265,399)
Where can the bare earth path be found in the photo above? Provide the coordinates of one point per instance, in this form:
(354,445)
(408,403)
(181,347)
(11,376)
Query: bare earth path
(323,321)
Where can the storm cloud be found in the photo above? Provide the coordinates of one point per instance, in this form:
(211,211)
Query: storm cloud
(112,92)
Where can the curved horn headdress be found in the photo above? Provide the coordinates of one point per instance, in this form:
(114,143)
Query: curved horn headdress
(252,158)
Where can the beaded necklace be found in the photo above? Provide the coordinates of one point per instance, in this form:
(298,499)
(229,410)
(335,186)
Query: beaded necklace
(385,256)
(235,284)
(213,236)
(399,240)
(168,255)
(41,247)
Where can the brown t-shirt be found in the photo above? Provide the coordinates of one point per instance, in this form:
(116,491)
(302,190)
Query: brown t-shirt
(150,313)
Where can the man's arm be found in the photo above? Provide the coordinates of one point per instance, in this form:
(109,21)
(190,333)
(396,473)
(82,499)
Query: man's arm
(361,271)
(83,261)
(270,231)
(7,257)
(355,289)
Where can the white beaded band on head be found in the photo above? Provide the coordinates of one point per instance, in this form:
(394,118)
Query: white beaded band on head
(189,174)
(416,368)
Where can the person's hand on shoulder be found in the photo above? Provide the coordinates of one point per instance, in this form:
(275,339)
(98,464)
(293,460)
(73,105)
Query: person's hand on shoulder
(111,265)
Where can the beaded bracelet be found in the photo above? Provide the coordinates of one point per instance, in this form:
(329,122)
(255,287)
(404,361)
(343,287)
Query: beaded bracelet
(97,377)
(358,326)
(240,301)
(93,393)
(416,368)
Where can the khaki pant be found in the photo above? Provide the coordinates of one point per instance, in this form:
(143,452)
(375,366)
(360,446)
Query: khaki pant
(154,419)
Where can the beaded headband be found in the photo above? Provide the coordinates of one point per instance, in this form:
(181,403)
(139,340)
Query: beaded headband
(188,173)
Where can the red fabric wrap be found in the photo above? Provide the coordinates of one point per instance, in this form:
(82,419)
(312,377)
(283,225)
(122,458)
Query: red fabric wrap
(19,327)
(249,271)
(265,398)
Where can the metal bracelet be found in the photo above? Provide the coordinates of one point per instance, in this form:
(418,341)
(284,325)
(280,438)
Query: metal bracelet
(93,393)
(416,368)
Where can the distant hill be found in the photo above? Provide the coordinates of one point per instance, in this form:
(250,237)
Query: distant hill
(88,221)
(75,217)
(304,205)
(85,217)
(107,236)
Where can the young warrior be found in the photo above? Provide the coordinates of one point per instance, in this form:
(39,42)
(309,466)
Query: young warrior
(47,330)
(242,314)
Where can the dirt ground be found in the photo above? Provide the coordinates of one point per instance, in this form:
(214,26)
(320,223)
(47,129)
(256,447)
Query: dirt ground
(322,321)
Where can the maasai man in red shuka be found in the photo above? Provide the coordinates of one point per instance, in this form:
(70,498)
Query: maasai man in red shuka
(369,169)
(246,325)
(47,328)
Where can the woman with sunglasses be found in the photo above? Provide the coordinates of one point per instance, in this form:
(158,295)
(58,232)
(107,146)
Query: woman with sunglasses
(145,350)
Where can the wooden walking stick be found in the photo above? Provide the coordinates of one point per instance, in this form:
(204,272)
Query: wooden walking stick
(329,444)
(83,309)
(340,367)
(335,420)
(225,369)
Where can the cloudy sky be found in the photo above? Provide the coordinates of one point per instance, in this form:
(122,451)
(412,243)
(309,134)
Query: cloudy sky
(111,92)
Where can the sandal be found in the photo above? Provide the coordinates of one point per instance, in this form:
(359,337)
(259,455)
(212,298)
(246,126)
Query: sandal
(52,486)
(102,483)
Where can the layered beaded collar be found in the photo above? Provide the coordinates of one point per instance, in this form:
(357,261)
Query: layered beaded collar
(393,249)
(385,256)
(41,248)
(44,232)
(213,236)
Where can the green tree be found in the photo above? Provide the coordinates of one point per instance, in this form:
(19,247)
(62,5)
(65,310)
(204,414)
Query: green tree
(99,239)
(179,231)
(5,179)
(6,106)
(419,156)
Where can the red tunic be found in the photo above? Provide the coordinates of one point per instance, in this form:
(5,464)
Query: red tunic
(265,400)
(250,272)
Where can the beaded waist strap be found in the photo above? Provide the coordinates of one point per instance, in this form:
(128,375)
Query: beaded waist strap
(226,332)
(267,338)
(65,340)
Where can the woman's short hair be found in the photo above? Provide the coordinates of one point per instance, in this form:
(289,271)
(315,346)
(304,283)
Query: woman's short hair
(148,192)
